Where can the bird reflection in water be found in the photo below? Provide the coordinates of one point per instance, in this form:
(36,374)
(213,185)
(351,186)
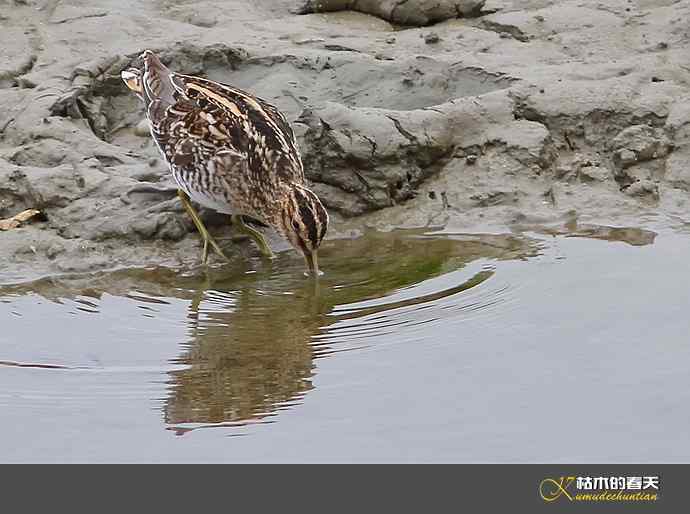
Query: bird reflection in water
(251,346)
(253,337)
(248,355)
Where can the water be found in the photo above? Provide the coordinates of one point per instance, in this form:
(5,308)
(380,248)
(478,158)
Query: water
(556,346)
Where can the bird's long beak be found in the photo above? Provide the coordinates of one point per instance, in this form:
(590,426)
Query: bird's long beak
(312,260)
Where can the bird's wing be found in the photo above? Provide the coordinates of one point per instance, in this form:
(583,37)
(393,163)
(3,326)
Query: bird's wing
(189,135)
(253,127)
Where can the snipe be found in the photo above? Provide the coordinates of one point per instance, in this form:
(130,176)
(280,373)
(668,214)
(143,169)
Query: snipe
(232,152)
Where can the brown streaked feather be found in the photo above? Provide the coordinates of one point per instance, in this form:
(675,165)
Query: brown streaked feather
(268,120)
(231,151)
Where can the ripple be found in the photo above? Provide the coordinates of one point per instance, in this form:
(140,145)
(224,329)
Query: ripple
(223,347)
(464,294)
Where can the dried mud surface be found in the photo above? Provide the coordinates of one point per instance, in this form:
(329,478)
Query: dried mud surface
(497,113)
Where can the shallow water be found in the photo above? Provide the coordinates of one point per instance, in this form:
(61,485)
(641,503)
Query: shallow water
(558,345)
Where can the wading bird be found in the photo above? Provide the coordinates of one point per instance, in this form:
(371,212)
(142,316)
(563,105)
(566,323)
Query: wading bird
(232,152)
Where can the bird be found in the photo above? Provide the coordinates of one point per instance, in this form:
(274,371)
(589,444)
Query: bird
(230,151)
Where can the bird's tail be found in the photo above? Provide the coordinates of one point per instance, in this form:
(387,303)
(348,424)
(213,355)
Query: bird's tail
(156,80)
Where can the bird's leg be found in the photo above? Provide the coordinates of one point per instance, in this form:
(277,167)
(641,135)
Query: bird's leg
(257,236)
(200,227)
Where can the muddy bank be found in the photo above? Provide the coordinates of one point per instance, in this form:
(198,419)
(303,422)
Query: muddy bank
(505,113)
(415,12)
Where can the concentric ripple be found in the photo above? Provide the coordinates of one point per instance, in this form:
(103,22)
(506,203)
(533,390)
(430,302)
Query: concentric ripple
(229,346)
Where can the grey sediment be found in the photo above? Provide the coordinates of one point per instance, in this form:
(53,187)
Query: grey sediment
(462,114)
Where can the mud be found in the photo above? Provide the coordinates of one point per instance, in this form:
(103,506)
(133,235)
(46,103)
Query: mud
(464,114)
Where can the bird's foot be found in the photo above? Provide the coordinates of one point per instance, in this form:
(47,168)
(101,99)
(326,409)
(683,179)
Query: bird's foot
(254,234)
(208,240)
(203,232)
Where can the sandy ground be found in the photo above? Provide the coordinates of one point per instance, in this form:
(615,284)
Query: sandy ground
(515,113)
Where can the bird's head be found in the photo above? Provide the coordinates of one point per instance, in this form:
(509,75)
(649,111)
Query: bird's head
(303,221)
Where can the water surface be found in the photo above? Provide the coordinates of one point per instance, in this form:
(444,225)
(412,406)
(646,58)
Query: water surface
(564,344)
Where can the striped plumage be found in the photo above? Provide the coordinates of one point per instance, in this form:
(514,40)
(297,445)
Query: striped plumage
(230,151)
